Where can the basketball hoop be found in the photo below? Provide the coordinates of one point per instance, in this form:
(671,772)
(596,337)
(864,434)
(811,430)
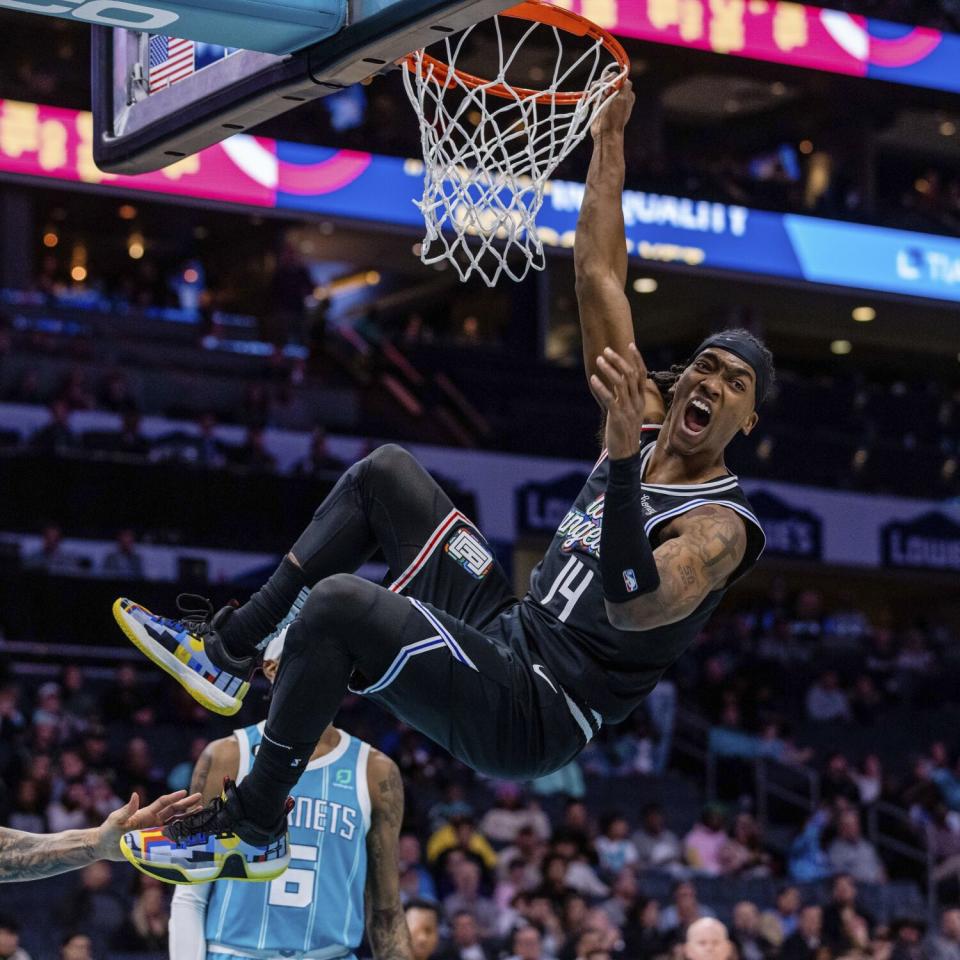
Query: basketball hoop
(490,146)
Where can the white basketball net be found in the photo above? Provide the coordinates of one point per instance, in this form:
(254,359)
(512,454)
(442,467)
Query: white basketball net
(485,180)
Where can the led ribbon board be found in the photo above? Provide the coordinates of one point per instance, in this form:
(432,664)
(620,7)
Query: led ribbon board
(48,142)
(790,33)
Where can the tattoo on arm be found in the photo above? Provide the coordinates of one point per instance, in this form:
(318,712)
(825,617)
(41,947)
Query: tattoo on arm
(690,565)
(386,923)
(729,547)
(31,856)
(201,771)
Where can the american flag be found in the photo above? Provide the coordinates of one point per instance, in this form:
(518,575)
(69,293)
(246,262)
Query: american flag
(171,59)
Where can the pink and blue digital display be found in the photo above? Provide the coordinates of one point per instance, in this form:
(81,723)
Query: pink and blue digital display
(789,33)
(46,142)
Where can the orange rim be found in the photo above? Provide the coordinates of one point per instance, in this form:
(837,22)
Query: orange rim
(538,11)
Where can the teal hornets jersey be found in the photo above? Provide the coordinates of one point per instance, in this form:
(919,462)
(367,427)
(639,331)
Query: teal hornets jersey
(316,907)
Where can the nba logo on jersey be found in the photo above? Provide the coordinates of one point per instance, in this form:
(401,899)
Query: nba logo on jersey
(630,580)
(316,907)
(470,553)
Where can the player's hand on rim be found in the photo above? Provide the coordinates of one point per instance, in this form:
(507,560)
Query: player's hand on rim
(616,113)
(618,385)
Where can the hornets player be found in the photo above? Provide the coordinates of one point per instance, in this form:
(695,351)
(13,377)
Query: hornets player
(514,688)
(344,830)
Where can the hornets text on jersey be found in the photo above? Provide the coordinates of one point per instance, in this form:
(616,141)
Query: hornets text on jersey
(564,614)
(316,907)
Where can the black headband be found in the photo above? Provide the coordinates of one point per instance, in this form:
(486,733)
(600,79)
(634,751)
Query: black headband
(749,352)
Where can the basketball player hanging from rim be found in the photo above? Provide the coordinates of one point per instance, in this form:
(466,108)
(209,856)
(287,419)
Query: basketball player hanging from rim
(513,688)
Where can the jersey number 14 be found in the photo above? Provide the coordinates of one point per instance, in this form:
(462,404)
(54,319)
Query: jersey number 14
(567,588)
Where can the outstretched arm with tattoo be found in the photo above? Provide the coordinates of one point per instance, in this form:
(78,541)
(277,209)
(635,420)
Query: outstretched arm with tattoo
(386,924)
(32,856)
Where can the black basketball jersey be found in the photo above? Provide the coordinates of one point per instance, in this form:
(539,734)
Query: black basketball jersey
(564,615)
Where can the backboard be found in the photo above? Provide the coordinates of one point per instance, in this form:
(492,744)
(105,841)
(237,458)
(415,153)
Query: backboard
(157,99)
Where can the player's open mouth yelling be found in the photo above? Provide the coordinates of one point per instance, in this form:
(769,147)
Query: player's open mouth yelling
(696,415)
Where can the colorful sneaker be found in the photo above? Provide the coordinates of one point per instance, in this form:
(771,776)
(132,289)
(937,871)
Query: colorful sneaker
(191,650)
(215,842)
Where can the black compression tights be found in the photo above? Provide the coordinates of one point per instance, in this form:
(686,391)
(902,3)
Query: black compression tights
(386,500)
(347,624)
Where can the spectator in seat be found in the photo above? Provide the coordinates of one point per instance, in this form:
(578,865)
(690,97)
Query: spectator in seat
(10,948)
(837,783)
(657,847)
(908,939)
(851,853)
(115,393)
(510,813)
(743,854)
(130,440)
(465,943)
(642,934)
(580,875)
(128,702)
(555,886)
(27,813)
(78,702)
(943,841)
(460,832)
(145,929)
(423,922)
(319,460)
(747,936)
(12,720)
(73,811)
(95,909)
(528,848)
(27,388)
(614,847)
(684,910)
(702,845)
(74,391)
(512,883)
(139,769)
(785,915)
(826,701)
(611,936)
(843,903)
(53,557)
(527,944)
(56,438)
(624,897)
(869,779)
(807,939)
(253,454)
(124,562)
(707,939)
(77,946)
(945,945)
(866,701)
(467,897)
(410,855)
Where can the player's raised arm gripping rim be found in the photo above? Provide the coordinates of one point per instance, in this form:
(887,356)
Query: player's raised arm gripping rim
(600,250)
